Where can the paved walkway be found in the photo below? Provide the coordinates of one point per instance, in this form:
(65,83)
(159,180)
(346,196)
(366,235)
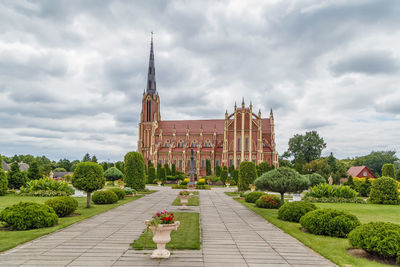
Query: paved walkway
(232,236)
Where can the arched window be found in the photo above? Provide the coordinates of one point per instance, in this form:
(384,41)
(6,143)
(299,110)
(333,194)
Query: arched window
(194,143)
(207,143)
(166,144)
(148,108)
(180,143)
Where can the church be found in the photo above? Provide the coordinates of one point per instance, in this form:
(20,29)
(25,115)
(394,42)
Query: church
(241,136)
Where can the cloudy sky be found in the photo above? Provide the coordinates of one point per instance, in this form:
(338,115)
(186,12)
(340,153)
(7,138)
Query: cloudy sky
(72,73)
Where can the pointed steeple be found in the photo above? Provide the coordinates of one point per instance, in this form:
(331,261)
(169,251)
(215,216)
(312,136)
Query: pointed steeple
(151,75)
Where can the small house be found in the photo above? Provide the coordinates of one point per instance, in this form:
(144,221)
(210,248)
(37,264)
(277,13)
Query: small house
(360,171)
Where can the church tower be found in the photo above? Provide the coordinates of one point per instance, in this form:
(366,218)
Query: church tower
(150,115)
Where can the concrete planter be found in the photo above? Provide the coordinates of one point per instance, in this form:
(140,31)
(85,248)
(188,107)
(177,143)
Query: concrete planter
(184,202)
(228,184)
(161,236)
(159,183)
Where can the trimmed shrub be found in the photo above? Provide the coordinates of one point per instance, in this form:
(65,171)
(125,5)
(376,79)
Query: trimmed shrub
(119,192)
(224,176)
(268,202)
(334,200)
(388,170)
(247,175)
(205,187)
(218,170)
(329,222)
(293,211)
(282,180)
(135,171)
(3,182)
(378,238)
(104,197)
(88,177)
(316,179)
(39,187)
(328,191)
(179,186)
(253,196)
(384,191)
(152,175)
(63,206)
(28,215)
(129,191)
(113,174)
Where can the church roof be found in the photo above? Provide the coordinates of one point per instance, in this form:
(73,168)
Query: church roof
(151,75)
(193,125)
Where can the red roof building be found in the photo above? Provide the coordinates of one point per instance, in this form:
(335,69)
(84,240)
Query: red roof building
(240,136)
(360,171)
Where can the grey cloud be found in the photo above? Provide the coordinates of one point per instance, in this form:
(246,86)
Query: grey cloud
(315,124)
(371,62)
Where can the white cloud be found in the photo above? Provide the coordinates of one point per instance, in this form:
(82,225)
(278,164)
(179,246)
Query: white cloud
(72,73)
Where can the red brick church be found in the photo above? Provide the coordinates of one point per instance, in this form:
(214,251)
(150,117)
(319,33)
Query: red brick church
(240,136)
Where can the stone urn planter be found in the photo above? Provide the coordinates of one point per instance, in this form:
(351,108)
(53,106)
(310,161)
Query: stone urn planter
(227,184)
(159,183)
(184,202)
(252,187)
(161,236)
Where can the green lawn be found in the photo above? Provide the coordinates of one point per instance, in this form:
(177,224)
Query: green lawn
(193,201)
(186,237)
(334,249)
(232,194)
(10,239)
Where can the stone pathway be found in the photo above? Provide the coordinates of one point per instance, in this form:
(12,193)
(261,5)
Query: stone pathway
(232,236)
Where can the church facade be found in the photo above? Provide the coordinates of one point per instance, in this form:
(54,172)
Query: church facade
(241,136)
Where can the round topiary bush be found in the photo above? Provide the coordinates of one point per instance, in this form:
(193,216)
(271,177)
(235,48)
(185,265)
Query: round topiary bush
(113,174)
(88,177)
(268,202)
(329,222)
(28,215)
(384,191)
(119,192)
(379,238)
(63,206)
(253,196)
(104,197)
(293,211)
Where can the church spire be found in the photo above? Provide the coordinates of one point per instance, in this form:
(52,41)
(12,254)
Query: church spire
(151,75)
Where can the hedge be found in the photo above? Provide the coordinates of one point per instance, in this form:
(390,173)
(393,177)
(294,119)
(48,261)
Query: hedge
(105,197)
(293,211)
(384,191)
(329,222)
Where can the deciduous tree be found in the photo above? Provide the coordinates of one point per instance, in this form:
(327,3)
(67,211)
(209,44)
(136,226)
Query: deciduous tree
(282,180)
(88,177)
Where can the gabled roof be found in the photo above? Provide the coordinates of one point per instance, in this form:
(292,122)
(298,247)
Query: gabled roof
(23,166)
(355,170)
(4,165)
(194,126)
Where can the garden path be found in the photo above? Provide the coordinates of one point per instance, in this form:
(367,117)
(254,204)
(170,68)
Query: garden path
(232,236)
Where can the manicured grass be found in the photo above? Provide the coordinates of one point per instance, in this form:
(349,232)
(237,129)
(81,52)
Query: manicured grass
(186,237)
(334,249)
(193,201)
(10,239)
(232,194)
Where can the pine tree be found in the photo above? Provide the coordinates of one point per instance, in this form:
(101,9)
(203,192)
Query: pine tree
(33,171)
(208,167)
(173,170)
(15,177)
(94,159)
(86,158)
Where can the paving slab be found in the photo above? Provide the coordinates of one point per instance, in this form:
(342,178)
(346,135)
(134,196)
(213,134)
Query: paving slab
(232,235)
